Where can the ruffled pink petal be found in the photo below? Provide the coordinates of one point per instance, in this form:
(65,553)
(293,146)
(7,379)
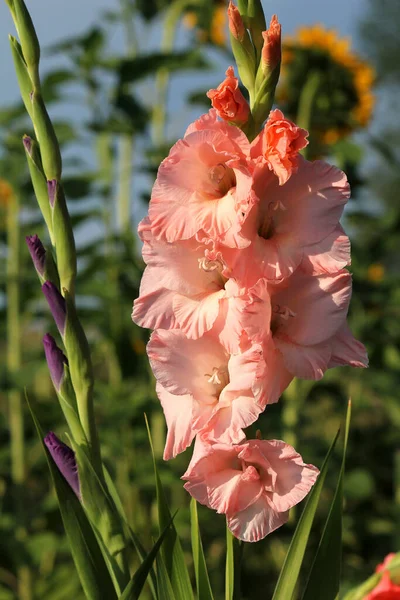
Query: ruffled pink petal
(318,304)
(229,492)
(346,350)
(256,521)
(312,201)
(234,412)
(294,478)
(196,316)
(154,310)
(178,415)
(306,362)
(330,255)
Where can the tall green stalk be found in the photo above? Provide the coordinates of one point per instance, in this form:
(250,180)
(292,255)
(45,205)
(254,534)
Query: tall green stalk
(16,414)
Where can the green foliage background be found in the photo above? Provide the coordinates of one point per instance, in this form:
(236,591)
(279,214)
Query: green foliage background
(124,140)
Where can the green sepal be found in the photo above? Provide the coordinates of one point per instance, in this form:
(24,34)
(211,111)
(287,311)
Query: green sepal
(242,6)
(255,21)
(28,38)
(39,184)
(49,148)
(64,240)
(243,52)
(171,550)
(21,69)
(67,400)
(265,94)
(87,556)
(104,517)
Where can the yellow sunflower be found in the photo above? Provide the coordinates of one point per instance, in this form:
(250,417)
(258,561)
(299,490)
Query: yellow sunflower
(344,100)
(211,24)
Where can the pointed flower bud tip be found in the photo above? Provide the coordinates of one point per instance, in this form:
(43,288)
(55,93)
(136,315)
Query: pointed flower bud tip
(271,52)
(55,360)
(64,458)
(27,141)
(236,25)
(37,252)
(52,190)
(56,304)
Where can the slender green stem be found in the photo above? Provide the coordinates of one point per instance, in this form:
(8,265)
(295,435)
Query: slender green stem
(124,216)
(16,414)
(306,103)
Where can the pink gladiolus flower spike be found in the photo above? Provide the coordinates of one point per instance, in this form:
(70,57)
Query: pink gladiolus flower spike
(254,483)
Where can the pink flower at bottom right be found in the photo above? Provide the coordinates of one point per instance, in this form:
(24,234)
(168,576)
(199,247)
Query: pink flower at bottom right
(254,483)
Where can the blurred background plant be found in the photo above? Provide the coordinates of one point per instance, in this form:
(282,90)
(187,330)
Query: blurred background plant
(110,164)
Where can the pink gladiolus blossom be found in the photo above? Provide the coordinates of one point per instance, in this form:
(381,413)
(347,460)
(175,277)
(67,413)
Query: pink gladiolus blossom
(254,483)
(293,224)
(386,589)
(228,100)
(202,388)
(279,144)
(205,186)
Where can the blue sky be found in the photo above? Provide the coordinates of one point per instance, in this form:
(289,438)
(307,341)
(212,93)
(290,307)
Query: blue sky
(56,19)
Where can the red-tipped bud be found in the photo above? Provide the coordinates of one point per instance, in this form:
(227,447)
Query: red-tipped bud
(236,25)
(228,100)
(271,52)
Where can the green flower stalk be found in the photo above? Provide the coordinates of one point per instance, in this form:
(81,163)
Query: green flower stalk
(72,374)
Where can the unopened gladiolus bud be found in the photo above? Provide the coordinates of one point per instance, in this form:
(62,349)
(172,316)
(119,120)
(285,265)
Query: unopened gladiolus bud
(38,181)
(37,252)
(56,304)
(236,25)
(271,52)
(64,458)
(242,48)
(268,72)
(28,39)
(55,360)
(229,101)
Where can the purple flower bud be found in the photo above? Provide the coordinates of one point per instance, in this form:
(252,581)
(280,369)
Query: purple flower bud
(27,141)
(55,360)
(57,305)
(64,458)
(52,190)
(37,252)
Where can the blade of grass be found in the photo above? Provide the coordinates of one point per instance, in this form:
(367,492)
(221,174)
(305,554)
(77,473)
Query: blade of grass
(135,586)
(291,567)
(204,591)
(89,562)
(326,568)
(171,550)
(234,551)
